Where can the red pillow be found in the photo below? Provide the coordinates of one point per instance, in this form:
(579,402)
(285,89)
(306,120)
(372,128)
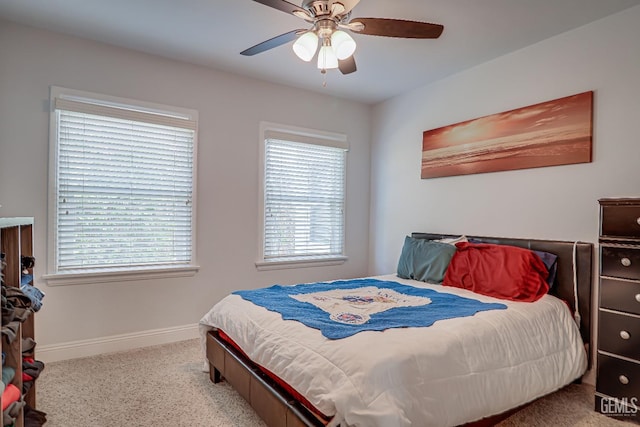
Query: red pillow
(499,271)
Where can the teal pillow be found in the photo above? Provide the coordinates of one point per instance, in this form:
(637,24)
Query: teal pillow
(424,260)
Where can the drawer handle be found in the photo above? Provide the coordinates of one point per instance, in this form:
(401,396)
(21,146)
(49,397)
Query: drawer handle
(638,220)
(625,335)
(626,262)
(623,379)
(638,297)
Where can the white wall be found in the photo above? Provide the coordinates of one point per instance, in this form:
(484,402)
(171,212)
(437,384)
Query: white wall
(548,203)
(230,109)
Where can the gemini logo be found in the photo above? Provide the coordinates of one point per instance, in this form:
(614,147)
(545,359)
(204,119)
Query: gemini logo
(619,407)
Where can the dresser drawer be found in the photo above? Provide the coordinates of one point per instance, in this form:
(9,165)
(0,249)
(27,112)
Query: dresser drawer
(620,261)
(619,334)
(620,295)
(617,377)
(621,221)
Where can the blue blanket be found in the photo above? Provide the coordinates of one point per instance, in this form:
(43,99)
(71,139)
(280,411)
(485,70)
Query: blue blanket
(428,306)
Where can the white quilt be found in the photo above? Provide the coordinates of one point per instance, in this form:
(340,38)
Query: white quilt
(453,372)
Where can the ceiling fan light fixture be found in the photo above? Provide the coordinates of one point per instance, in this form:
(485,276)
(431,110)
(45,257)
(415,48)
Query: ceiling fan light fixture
(328,18)
(327,59)
(343,44)
(306,45)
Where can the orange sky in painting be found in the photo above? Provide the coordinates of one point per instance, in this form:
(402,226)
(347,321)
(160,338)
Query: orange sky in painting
(563,113)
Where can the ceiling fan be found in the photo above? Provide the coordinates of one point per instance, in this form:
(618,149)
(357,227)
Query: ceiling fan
(329,19)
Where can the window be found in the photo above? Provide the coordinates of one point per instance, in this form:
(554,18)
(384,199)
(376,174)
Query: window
(122,188)
(303,196)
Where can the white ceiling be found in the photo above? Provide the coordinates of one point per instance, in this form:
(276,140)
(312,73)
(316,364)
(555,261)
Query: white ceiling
(213,32)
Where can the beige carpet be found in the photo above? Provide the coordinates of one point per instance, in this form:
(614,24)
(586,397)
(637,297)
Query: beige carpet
(164,386)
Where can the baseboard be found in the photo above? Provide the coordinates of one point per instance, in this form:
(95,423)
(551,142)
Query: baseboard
(113,343)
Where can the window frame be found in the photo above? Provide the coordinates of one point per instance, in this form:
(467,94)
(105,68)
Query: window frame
(116,274)
(270,130)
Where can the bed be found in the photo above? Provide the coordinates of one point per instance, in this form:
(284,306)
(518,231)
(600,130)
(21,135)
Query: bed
(470,369)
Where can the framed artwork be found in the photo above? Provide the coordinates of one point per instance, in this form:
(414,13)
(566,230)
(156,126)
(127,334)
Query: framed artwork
(551,133)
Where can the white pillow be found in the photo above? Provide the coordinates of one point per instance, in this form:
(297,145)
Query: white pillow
(453,240)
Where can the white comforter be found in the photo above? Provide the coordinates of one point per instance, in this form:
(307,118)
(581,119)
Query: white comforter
(455,371)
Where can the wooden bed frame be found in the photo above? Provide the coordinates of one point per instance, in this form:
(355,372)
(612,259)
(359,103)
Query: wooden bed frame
(278,408)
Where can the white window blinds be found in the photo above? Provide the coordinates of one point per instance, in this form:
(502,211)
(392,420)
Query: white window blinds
(124,187)
(304,189)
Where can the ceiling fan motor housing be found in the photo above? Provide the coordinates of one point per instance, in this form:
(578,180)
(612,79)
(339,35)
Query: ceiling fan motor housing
(321,8)
(317,7)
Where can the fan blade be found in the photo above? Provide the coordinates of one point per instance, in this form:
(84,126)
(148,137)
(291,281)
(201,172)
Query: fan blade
(282,5)
(271,43)
(396,28)
(347,66)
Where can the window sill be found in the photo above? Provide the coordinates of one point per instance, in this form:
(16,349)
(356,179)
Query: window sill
(87,278)
(300,263)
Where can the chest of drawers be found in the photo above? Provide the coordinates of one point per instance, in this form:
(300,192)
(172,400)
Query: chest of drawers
(618,369)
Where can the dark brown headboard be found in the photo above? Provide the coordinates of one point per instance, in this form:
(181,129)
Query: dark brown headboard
(563,287)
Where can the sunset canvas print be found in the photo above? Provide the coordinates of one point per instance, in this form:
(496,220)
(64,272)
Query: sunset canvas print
(551,133)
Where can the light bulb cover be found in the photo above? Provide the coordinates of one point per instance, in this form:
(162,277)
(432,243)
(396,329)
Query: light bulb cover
(327,58)
(343,44)
(306,45)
